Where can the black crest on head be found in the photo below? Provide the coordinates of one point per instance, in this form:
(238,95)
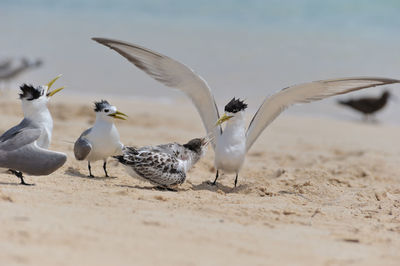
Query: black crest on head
(194,145)
(100,106)
(30,93)
(235,105)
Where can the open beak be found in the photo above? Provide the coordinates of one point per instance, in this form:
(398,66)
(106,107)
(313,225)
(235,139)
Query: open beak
(118,115)
(206,140)
(51,93)
(223,118)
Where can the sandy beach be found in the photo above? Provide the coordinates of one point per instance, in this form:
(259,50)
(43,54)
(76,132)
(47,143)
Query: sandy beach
(313,191)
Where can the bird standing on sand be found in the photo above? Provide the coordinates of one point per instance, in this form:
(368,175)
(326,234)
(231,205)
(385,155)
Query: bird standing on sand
(367,105)
(23,148)
(102,140)
(163,165)
(232,144)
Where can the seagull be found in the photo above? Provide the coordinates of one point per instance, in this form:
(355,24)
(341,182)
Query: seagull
(24,148)
(163,165)
(102,140)
(232,143)
(367,105)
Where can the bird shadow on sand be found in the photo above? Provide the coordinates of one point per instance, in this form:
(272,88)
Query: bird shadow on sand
(207,185)
(14,184)
(75,172)
(155,188)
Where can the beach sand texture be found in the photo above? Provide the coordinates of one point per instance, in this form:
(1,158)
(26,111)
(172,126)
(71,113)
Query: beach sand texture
(313,191)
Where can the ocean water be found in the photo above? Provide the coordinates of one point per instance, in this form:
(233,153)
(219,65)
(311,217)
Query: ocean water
(247,49)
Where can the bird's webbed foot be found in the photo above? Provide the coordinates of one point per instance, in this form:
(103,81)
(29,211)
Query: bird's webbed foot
(20,176)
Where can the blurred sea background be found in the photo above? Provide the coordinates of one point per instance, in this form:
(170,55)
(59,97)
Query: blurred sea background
(247,49)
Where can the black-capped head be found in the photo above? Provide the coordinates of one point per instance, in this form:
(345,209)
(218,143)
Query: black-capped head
(235,105)
(30,93)
(195,145)
(101,106)
(107,111)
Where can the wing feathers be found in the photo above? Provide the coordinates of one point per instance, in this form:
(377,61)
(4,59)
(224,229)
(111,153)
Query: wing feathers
(172,74)
(304,93)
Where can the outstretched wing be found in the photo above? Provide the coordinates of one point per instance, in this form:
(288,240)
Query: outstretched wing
(304,93)
(32,160)
(20,152)
(172,74)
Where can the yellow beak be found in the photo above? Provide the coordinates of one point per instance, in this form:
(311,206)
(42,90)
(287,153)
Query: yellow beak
(52,81)
(51,93)
(118,115)
(223,118)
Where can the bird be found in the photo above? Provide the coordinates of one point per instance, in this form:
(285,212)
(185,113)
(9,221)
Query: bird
(5,63)
(9,71)
(367,105)
(232,143)
(164,165)
(102,140)
(24,147)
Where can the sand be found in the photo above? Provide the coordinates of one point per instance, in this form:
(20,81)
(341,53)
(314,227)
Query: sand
(313,191)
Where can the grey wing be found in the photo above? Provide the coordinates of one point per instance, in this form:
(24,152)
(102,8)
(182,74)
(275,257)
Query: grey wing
(82,146)
(172,74)
(303,93)
(20,138)
(158,168)
(24,124)
(32,160)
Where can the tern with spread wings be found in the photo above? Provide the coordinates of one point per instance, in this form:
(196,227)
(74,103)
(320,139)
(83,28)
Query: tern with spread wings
(232,143)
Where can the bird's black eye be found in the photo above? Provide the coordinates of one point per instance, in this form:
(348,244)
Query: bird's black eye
(106,110)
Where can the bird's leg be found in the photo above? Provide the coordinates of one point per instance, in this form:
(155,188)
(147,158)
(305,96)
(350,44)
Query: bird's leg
(215,180)
(20,176)
(237,175)
(90,170)
(105,168)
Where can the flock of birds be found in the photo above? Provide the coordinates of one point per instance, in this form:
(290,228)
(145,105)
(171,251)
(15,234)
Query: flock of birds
(24,148)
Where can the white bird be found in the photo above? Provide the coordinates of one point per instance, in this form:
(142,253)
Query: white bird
(232,144)
(23,148)
(163,165)
(102,140)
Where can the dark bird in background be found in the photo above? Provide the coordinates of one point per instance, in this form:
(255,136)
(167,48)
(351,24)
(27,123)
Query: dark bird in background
(368,105)
(9,71)
(5,63)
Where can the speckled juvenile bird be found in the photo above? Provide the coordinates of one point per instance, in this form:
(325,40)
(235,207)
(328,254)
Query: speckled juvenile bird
(102,140)
(163,165)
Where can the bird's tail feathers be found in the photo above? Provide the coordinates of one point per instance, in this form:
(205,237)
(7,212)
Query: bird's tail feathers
(127,151)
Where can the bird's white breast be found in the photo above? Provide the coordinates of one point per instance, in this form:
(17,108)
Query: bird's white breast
(105,142)
(230,148)
(46,124)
